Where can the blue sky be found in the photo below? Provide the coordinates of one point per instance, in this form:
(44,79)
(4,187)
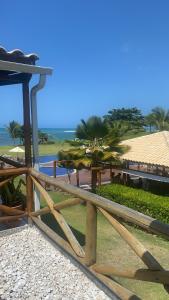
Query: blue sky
(105,54)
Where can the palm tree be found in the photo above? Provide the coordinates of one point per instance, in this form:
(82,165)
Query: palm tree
(95,146)
(12,129)
(159,118)
(150,122)
(43,137)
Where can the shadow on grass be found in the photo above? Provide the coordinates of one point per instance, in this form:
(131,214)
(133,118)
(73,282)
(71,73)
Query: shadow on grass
(52,223)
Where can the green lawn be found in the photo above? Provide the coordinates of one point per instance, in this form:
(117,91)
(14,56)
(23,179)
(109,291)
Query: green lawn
(111,248)
(43,149)
(61,145)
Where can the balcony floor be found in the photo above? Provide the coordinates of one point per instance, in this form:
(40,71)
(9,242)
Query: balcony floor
(32,268)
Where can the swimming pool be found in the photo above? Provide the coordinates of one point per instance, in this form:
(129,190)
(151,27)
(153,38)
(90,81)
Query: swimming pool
(49,170)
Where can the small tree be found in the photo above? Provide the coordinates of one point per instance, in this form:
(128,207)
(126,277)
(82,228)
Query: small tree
(43,137)
(159,118)
(95,146)
(132,117)
(13,128)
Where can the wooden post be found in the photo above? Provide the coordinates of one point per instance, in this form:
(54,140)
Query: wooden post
(77,177)
(54,168)
(29,194)
(27,138)
(91,234)
(111,179)
(27,125)
(99,178)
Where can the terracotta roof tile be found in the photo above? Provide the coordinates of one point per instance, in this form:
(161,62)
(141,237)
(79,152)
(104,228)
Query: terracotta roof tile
(149,149)
(17,55)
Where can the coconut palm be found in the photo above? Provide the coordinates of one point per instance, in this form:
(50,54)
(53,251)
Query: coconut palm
(150,122)
(12,129)
(94,147)
(159,118)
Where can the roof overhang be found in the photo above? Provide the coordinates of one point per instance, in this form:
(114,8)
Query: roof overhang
(24,68)
(146,175)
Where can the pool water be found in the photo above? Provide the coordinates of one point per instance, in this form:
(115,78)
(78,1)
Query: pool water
(49,170)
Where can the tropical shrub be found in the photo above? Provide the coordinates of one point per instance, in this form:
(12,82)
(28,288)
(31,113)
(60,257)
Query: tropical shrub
(145,202)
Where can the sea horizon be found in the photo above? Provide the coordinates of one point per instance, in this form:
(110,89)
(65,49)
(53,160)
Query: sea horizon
(55,134)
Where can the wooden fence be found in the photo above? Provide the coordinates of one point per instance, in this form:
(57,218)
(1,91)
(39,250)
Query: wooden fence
(113,212)
(153,271)
(10,214)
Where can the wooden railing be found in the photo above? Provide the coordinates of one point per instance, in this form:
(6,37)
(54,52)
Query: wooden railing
(7,174)
(113,212)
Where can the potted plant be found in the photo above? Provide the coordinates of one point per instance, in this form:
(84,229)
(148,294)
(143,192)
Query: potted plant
(12,195)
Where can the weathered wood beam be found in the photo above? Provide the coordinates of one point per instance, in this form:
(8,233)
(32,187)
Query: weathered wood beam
(2,183)
(57,206)
(140,274)
(55,237)
(121,211)
(27,124)
(11,162)
(14,78)
(24,68)
(135,245)
(29,194)
(91,234)
(13,171)
(10,210)
(120,291)
(11,218)
(61,221)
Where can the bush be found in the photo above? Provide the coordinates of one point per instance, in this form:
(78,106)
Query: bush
(152,205)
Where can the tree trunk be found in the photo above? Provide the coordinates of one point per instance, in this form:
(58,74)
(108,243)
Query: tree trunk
(69,175)
(77,177)
(94,180)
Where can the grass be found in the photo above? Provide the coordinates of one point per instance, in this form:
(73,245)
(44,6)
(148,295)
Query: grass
(43,149)
(61,145)
(111,248)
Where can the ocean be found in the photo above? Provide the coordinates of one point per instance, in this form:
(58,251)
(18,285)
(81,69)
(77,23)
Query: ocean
(53,133)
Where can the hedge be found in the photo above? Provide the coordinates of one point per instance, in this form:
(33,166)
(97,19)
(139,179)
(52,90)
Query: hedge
(145,202)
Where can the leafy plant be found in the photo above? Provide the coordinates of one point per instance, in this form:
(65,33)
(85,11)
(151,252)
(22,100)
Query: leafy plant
(95,145)
(158,118)
(13,129)
(11,193)
(145,202)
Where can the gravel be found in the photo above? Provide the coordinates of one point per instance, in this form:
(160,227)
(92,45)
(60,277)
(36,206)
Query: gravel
(32,268)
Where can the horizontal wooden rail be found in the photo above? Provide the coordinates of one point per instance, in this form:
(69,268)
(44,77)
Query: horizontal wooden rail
(10,211)
(11,162)
(116,209)
(2,183)
(13,171)
(57,206)
(12,218)
(111,211)
(140,274)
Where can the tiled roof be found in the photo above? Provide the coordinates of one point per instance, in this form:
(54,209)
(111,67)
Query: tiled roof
(17,55)
(149,149)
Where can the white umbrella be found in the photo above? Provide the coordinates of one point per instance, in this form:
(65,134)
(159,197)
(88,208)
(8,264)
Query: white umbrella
(17,150)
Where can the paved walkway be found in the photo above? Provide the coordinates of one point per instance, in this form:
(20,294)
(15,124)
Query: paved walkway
(32,268)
